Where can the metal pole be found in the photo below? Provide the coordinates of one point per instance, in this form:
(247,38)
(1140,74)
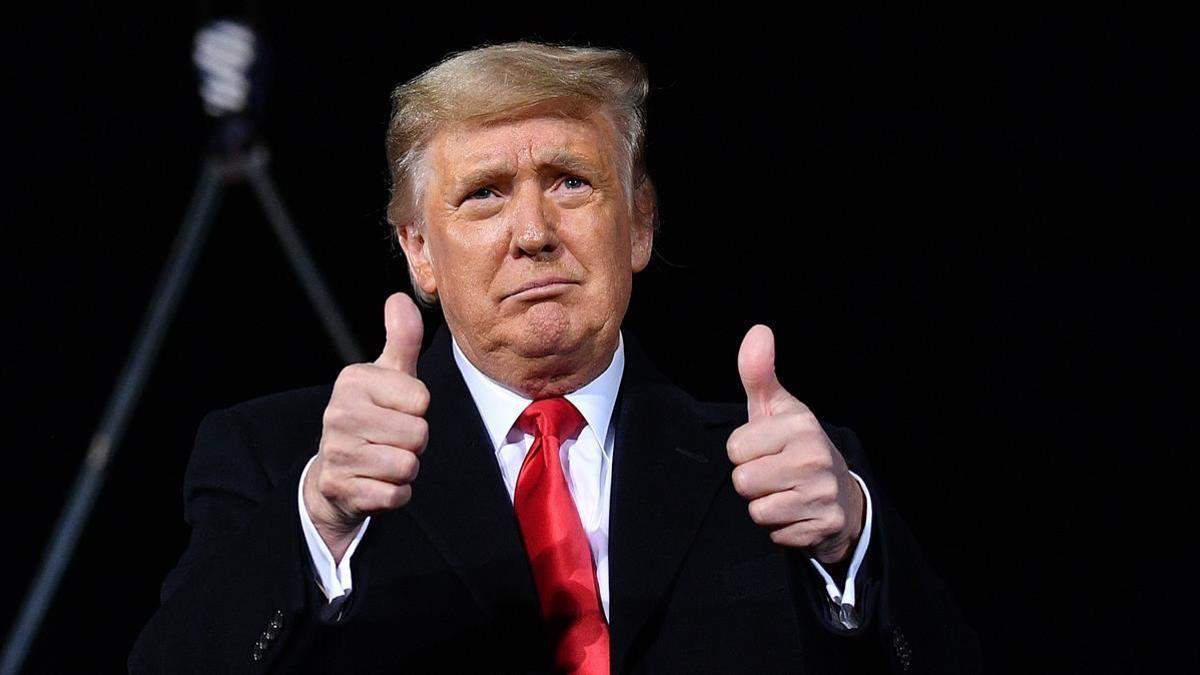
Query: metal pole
(124,398)
(302,263)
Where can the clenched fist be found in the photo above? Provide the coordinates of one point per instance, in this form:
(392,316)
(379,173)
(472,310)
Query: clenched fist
(784,464)
(372,434)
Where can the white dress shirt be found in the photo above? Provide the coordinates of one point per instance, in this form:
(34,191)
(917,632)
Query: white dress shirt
(587,465)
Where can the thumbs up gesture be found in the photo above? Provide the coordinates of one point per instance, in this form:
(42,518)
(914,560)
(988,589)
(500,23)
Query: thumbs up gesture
(372,434)
(795,479)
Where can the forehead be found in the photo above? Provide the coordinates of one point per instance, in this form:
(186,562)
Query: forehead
(536,140)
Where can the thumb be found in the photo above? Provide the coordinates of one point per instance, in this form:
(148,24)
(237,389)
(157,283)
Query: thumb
(404,331)
(756,366)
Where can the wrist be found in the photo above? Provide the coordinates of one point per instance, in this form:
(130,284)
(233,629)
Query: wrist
(336,529)
(858,517)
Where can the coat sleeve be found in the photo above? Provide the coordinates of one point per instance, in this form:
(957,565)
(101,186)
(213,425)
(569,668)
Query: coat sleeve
(241,598)
(908,620)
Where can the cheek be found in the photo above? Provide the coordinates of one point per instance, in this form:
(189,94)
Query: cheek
(468,257)
(619,253)
(603,239)
(608,261)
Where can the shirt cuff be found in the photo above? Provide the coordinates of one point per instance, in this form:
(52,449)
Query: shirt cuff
(844,600)
(333,578)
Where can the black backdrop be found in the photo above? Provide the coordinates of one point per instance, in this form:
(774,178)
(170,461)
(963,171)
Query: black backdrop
(973,235)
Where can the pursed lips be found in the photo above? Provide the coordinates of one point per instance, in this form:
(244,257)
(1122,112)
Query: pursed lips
(535,284)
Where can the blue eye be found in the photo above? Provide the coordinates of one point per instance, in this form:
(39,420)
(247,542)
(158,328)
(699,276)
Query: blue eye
(481,193)
(574,183)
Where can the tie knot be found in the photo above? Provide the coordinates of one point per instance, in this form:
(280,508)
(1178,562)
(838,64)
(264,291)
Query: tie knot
(551,417)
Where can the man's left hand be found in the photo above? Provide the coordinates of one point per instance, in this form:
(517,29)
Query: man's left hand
(786,466)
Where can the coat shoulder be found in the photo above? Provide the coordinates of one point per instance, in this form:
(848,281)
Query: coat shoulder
(733,414)
(283,406)
(278,427)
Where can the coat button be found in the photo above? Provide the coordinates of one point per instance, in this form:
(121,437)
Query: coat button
(903,652)
(256,654)
(277,620)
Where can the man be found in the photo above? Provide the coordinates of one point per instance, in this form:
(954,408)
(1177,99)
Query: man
(530,494)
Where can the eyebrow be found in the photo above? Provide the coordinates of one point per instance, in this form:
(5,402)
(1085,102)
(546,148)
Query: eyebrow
(567,161)
(483,175)
(492,171)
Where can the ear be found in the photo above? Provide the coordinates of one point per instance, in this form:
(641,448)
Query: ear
(416,250)
(641,235)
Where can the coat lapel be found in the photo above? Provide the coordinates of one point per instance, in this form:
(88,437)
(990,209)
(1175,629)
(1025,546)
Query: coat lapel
(667,465)
(460,501)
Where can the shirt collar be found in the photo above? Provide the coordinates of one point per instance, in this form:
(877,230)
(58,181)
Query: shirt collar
(500,406)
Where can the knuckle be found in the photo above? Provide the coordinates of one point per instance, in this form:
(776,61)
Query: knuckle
(327,486)
(420,398)
(739,481)
(409,466)
(420,433)
(835,522)
(824,458)
(784,537)
(337,416)
(329,417)
(735,448)
(339,453)
(758,511)
(350,375)
(398,496)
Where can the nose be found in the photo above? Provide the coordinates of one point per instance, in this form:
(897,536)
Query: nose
(535,232)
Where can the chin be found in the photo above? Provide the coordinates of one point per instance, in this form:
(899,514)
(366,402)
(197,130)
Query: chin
(537,345)
(546,330)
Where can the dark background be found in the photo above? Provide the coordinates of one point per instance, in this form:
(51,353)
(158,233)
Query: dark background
(973,234)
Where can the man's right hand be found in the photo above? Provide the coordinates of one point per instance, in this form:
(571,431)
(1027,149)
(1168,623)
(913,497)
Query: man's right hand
(372,433)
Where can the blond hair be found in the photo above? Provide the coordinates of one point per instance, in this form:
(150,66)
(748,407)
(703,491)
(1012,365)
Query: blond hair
(501,81)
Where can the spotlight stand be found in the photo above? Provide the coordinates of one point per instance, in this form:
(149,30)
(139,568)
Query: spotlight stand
(219,170)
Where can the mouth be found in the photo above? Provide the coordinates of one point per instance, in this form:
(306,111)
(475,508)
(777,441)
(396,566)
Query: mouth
(537,289)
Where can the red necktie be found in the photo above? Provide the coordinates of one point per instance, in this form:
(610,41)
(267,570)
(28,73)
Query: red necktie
(555,541)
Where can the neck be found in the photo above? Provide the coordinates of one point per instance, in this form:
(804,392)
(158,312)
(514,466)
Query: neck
(543,376)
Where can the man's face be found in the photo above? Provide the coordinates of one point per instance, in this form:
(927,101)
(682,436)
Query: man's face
(530,242)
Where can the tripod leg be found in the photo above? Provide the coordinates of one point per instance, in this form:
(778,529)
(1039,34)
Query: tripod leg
(303,265)
(121,403)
